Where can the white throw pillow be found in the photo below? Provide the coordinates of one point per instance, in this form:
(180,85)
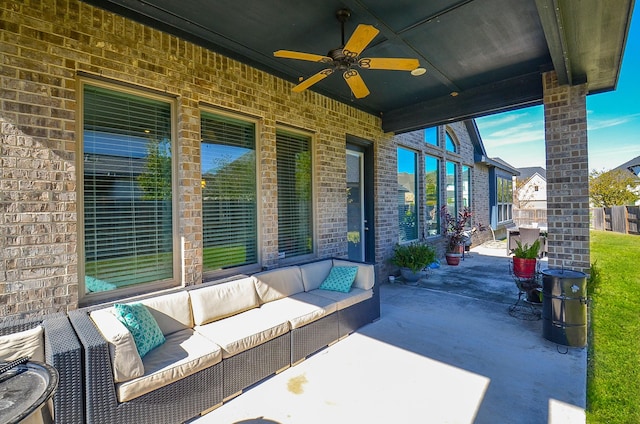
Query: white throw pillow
(23,343)
(125,360)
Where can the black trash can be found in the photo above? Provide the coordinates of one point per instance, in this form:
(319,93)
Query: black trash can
(564,307)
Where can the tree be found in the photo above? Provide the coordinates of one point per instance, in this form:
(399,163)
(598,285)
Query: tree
(155,181)
(617,187)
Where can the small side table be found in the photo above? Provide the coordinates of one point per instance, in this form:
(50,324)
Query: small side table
(25,392)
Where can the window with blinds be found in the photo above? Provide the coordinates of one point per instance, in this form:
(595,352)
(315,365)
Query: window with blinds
(407,190)
(432,194)
(127,162)
(229,211)
(452,188)
(295,213)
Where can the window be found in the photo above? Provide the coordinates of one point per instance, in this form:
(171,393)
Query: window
(432,194)
(505,199)
(452,190)
(295,209)
(431,135)
(127,189)
(466,186)
(228,158)
(449,143)
(407,190)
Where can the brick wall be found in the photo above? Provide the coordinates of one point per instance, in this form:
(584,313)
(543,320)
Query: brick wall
(47,45)
(567,174)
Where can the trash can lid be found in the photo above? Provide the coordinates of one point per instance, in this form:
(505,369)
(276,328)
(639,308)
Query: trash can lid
(563,273)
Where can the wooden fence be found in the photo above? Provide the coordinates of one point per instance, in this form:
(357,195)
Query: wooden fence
(621,219)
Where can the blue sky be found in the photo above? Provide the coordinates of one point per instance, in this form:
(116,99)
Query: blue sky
(613,118)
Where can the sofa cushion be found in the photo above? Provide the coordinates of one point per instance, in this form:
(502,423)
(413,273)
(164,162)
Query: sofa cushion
(142,325)
(171,311)
(241,332)
(278,283)
(344,300)
(301,308)
(125,359)
(366,276)
(223,300)
(182,354)
(314,273)
(23,343)
(340,279)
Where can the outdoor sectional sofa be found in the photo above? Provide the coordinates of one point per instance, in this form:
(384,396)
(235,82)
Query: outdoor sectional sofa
(61,350)
(220,338)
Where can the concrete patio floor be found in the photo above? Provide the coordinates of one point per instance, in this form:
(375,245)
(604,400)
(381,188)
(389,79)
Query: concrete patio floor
(444,351)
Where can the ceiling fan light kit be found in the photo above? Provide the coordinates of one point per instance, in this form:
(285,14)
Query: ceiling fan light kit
(347,57)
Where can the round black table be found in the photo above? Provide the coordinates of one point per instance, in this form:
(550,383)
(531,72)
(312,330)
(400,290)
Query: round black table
(25,390)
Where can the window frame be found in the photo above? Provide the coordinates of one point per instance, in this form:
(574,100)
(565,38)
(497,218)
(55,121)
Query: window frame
(416,192)
(502,192)
(438,205)
(245,268)
(177,278)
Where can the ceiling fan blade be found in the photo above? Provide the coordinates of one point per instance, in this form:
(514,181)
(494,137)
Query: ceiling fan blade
(288,54)
(312,80)
(356,83)
(388,63)
(361,37)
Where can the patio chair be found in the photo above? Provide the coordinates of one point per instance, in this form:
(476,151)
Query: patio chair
(62,351)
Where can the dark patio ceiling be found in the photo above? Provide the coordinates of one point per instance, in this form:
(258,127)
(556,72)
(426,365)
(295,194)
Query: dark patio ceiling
(490,52)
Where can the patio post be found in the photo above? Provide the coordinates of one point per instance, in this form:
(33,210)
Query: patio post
(565,123)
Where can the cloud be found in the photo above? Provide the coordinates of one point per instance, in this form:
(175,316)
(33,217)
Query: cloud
(595,124)
(519,134)
(493,121)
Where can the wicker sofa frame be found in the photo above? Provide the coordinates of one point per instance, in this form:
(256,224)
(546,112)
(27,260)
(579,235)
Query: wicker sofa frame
(62,351)
(204,390)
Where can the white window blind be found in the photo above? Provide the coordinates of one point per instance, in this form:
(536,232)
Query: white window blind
(295,214)
(128,236)
(229,212)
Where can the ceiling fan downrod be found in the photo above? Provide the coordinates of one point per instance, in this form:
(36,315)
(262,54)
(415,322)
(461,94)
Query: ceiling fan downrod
(343,16)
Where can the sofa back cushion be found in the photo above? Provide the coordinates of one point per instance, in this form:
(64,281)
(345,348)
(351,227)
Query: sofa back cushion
(125,360)
(278,283)
(366,276)
(172,311)
(216,302)
(23,343)
(314,273)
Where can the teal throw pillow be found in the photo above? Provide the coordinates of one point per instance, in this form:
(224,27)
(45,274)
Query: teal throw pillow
(93,284)
(142,325)
(340,279)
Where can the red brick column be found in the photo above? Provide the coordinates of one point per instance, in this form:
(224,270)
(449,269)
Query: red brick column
(565,124)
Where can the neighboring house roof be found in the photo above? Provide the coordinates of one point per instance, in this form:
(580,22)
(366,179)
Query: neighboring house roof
(633,166)
(528,172)
(480,153)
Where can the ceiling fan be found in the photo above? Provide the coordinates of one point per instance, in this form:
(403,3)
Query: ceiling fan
(346,57)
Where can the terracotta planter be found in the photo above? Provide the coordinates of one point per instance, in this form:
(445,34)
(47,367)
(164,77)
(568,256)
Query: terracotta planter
(524,268)
(453,258)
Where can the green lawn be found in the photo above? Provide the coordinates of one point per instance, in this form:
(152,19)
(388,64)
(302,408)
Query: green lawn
(613,381)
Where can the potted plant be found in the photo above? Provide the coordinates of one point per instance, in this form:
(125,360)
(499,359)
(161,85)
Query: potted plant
(458,231)
(525,259)
(412,258)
